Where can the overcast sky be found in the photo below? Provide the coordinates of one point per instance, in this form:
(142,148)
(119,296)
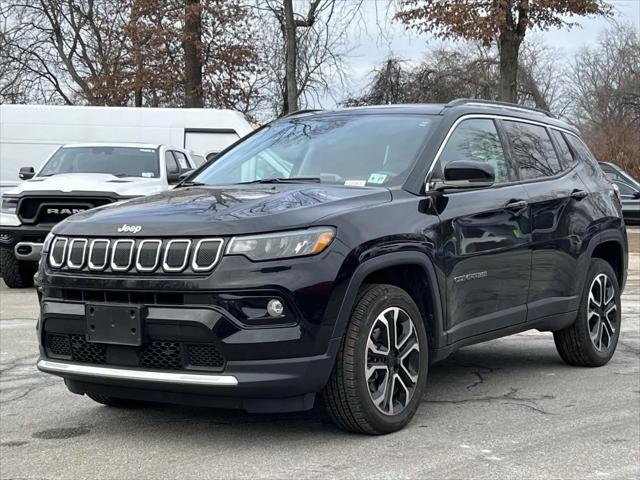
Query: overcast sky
(370,48)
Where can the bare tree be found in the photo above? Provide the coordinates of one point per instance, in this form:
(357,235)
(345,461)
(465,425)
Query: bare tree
(504,22)
(115,52)
(302,53)
(605,95)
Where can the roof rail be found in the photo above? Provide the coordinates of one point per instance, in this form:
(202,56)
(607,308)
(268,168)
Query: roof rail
(301,112)
(513,106)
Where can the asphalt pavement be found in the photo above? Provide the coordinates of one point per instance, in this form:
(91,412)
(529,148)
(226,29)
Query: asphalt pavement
(509,408)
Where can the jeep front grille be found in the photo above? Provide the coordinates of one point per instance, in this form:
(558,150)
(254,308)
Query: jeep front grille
(125,255)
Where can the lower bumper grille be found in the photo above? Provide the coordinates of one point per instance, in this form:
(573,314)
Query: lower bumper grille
(159,354)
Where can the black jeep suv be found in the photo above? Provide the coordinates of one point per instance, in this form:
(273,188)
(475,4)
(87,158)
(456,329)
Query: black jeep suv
(336,255)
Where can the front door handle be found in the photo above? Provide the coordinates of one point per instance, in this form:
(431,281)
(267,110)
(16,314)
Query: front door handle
(579,194)
(517,205)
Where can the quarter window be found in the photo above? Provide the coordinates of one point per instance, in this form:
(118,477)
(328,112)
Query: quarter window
(532,150)
(477,140)
(564,152)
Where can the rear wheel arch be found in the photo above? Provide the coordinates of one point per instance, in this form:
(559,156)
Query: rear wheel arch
(611,246)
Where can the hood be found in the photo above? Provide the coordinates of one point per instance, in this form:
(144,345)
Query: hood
(200,211)
(91,182)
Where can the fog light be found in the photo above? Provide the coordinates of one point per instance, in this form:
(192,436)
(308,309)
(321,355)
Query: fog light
(275,307)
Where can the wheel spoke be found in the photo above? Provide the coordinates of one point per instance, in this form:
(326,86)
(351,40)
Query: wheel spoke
(382,391)
(603,289)
(413,348)
(592,299)
(399,383)
(608,323)
(389,395)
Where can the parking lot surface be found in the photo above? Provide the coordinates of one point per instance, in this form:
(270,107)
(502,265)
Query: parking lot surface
(509,408)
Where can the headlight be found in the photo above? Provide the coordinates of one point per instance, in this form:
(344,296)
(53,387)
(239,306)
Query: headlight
(9,205)
(283,244)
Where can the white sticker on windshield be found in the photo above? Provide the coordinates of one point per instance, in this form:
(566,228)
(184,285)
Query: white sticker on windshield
(146,150)
(355,183)
(377,178)
(148,174)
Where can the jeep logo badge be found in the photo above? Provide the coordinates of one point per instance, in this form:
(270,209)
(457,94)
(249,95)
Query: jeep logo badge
(129,228)
(64,211)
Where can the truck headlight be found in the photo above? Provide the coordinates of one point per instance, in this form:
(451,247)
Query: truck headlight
(9,205)
(272,246)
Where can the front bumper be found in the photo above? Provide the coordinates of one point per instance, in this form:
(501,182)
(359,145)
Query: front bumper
(12,236)
(268,365)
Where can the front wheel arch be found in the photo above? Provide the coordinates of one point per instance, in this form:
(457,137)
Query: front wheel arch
(374,271)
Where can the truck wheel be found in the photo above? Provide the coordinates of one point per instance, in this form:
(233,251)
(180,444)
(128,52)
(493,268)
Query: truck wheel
(115,402)
(381,368)
(16,274)
(592,339)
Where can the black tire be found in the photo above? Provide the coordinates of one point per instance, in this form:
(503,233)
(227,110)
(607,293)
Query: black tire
(115,402)
(16,274)
(347,396)
(575,344)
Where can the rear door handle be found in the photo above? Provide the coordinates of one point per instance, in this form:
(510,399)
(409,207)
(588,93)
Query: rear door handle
(579,194)
(517,205)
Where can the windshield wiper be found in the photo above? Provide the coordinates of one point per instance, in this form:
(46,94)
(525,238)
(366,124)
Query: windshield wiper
(283,180)
(191,184)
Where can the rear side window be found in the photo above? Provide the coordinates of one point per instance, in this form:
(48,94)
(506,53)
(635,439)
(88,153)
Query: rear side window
(172,166)
(477,140)
(566,157)
(532,150)
(182,160)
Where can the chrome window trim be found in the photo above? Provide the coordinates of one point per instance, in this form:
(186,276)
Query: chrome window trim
(92,266)
(114,267)
(64,251)
(194,265)
(166,267)
(485,116)
(158,242)
(70,264)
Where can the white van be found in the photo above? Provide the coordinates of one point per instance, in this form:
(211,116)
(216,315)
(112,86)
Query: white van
(29,134)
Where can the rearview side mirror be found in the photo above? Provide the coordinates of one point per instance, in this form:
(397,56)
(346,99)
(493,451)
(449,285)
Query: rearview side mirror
(26,173)
(173,177)
(185,174)
(636,195)
(466,174)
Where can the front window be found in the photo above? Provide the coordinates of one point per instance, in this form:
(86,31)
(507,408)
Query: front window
(118,161)
(355,150)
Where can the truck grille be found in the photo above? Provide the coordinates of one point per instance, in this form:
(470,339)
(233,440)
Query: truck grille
(36,209)
(135,255)
(159,354)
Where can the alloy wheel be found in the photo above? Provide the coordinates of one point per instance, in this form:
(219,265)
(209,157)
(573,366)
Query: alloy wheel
(602,312)
(392,360)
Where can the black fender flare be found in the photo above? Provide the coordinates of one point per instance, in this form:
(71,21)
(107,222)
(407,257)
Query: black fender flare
(612,235)
(381,262)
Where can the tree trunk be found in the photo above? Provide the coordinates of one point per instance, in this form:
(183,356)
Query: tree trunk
(290,63)
(509,50)
(192,57)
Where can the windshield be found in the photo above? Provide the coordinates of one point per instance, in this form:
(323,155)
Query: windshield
(356,150)
(118,161)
